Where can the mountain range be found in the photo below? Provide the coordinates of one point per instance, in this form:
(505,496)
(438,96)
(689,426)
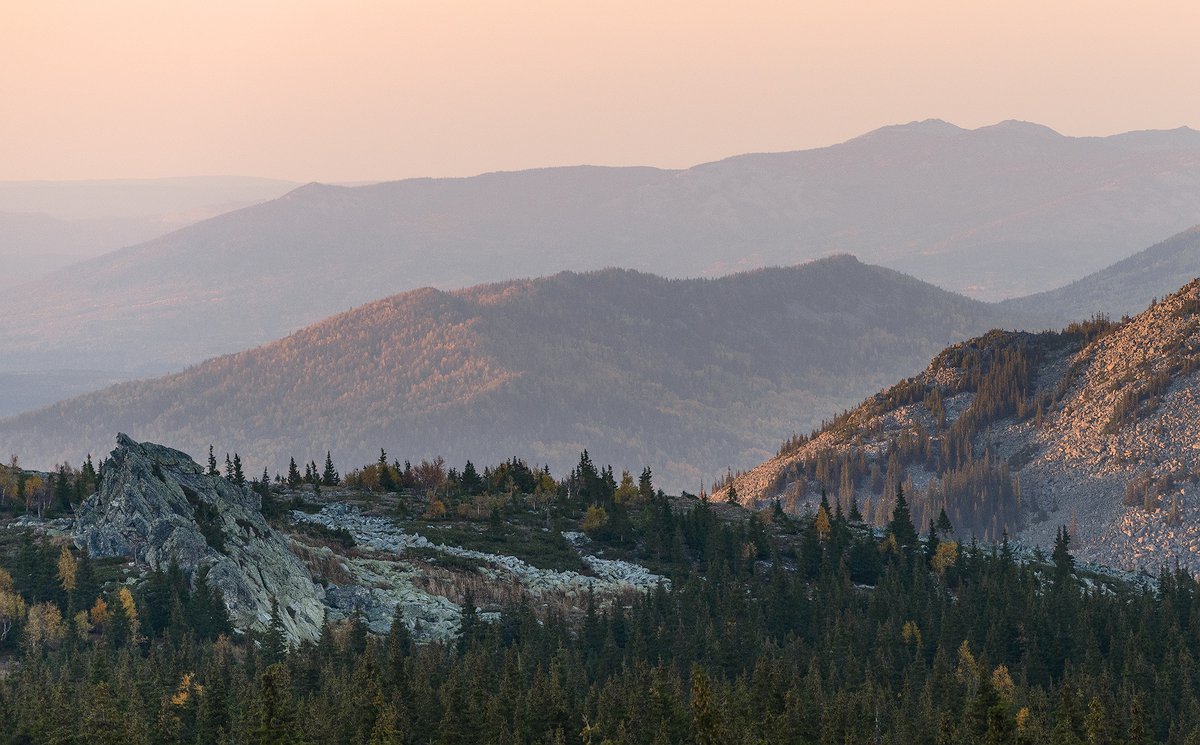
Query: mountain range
(994,212)
(49,225)
(1094,428)
(680,375)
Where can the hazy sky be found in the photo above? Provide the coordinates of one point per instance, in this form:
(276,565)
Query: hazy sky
(358,90)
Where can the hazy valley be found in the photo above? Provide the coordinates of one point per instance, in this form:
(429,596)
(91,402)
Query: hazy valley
(686,376)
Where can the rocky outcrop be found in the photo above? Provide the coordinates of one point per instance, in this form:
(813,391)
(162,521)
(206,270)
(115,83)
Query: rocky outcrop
(157,503)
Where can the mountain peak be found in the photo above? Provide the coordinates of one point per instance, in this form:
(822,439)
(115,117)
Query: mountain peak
(1021,128)
(923,128)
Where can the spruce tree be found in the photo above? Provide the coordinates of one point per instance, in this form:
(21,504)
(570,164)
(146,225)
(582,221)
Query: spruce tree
(645,485)
(239,477)
(386,481)
(293,475)
(330,477)
(212,463)
(943,524)
(274,639)
(901,527)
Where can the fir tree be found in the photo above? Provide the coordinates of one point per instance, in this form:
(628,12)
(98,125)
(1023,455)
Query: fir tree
(330,476)
(239,477)
(293,475)
(901,527)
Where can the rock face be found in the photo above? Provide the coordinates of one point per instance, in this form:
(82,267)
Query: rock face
(156,503)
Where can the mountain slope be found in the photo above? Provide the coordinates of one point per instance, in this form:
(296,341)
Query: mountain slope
(998,211)
(683,375)
(1125,288)
(1095,427)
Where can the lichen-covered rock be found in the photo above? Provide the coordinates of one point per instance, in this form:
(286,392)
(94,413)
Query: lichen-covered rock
(157,503)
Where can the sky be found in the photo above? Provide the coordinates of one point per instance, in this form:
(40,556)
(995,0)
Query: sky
(358,90)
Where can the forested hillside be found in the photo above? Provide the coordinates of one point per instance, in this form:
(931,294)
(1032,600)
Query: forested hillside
(687,376)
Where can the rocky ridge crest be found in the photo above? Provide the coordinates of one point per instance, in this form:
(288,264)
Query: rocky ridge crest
(156,504)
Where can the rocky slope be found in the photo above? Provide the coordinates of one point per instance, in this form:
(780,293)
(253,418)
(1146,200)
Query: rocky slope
(156,503)
(391,568)
(1097,428)
(680,375)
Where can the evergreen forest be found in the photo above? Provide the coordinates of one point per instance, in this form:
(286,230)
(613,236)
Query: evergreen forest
(817,628)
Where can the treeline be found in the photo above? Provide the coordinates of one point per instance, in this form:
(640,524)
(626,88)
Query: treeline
(777,630)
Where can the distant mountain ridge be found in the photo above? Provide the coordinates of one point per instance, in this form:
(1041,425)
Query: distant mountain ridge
(1094,428)
(49,225)
(1125,288)
(997,211)
(676,374)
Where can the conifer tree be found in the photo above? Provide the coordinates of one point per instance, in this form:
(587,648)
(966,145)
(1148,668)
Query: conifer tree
(1064,563)
(239,477)
(386,480)
(274,640)
(645,485)
(293,475)
(901,527)
(212,463)
(943,524)
(330,476)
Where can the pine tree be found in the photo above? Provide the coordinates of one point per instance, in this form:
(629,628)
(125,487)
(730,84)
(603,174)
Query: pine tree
(645,485)
(943,524)
(470,481)
(856,517)
(274,640)
(293,475)
(468,625)
(931,543)
(212,463)
(1064,563)
(239,477)
(330,477)
(901,527)
(386,481)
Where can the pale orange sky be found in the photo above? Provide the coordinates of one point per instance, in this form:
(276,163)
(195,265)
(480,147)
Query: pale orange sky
(361,90)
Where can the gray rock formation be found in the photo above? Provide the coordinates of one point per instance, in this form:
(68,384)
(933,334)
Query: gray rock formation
(156,503)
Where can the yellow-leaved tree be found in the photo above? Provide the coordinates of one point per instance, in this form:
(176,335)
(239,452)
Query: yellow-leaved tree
(594,519)
(130,610)
(43,626)
(12,605)
(627,491)
(66,570)
(99,615)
